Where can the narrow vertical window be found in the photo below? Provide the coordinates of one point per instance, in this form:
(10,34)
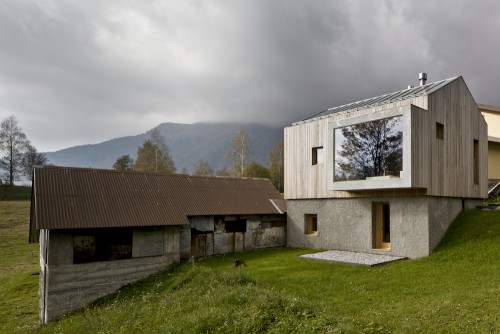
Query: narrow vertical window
(439,131)
(311,224)
(476,161)
(317,155)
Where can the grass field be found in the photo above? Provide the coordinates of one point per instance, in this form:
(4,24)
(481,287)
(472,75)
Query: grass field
(455,290)
(19,266)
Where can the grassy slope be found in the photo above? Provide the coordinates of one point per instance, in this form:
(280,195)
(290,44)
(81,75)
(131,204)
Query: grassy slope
(457,289)
(19,266)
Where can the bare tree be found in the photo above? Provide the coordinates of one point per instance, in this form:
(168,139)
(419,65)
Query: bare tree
(240,152)
(31,159)
(13,146)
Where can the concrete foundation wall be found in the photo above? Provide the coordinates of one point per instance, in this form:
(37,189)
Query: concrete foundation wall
(66,287)
(418,223)
(442,212)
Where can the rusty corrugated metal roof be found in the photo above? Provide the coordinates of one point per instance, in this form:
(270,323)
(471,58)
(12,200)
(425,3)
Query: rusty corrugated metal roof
(67,198)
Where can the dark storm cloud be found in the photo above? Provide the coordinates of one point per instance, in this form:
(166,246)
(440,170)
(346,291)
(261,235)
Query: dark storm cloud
(82,72)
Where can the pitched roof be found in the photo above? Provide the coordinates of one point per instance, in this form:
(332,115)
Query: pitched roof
(67,198)
(383,99)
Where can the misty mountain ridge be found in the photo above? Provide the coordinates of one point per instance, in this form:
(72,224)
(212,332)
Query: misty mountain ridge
(188,144)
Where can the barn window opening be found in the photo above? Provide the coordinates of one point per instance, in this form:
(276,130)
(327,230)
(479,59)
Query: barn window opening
(102,245)
(311,224)
(239,225)
(439,131)
(317,155)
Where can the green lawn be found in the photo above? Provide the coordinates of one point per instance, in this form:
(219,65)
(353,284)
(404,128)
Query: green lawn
(19,266)
(455,290)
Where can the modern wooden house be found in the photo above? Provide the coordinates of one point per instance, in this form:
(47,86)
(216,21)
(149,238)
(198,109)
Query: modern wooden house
(101,229)
(387,174)
(492,116)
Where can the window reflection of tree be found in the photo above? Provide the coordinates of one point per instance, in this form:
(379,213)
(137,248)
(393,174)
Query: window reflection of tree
(369,149)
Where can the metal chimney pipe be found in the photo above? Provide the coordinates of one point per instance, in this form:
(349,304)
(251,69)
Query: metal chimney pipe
(422,77)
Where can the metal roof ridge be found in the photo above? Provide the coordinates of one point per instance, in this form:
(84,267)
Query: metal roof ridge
(176,175)
(415,91)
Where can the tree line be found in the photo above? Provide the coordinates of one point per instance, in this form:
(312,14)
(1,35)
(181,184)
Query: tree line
(154,156)
(18,155)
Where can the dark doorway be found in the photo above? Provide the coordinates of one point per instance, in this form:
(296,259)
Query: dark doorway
(382,226)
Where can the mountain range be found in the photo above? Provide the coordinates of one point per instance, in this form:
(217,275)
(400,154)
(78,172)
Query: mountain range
(188,144)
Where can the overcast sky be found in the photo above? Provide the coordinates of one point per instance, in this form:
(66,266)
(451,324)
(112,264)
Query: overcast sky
(80,72)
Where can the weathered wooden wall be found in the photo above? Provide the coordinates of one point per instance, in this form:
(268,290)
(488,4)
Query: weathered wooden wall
(439,167)
(262,231)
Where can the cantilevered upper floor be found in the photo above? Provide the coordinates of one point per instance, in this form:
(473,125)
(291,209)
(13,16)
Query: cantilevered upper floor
(426,140)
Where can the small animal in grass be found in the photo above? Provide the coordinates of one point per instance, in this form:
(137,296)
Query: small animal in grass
(238,263)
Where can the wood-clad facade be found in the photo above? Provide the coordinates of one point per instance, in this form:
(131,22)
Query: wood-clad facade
(440,167)
(443,170)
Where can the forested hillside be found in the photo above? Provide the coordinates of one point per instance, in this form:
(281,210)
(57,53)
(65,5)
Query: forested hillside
(188,144)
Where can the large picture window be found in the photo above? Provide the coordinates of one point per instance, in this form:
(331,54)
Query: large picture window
(370,150)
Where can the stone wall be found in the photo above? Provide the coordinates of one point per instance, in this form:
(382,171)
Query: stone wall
(66,287)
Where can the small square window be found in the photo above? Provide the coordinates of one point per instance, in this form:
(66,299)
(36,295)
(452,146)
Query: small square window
(317,155)
(311,224)
(439,131)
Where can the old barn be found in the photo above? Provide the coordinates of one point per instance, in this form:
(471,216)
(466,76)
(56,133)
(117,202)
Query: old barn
(101,229)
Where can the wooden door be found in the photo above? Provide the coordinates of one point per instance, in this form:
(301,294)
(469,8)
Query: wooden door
(198,244)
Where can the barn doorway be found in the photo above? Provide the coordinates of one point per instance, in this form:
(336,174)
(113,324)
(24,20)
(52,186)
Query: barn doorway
(382,226)
(202,243)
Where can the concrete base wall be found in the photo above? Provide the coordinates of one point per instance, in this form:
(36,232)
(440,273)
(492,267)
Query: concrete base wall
(65,287)
(418,223)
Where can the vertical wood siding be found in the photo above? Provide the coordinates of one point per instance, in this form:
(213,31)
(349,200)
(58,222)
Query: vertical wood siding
(440,167)
(452,160)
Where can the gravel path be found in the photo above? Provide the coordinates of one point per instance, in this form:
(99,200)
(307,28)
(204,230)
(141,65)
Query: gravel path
(352,257)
